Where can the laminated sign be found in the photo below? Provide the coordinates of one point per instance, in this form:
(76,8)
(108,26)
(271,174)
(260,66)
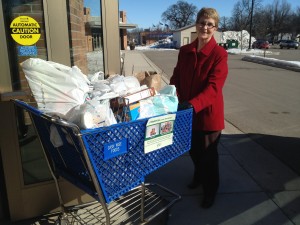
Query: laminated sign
(25,30)
(159,132)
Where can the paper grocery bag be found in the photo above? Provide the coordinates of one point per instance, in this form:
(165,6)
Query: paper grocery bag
(140,76)
(149,78)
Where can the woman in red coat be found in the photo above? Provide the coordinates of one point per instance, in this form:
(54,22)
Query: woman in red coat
(199,77)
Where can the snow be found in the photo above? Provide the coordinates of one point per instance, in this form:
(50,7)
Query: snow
(253,55)
(241,36)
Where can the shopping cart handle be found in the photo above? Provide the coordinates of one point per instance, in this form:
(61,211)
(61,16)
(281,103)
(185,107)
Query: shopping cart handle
(27,107)
(53,118)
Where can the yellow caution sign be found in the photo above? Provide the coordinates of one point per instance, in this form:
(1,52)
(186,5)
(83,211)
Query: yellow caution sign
(25,30)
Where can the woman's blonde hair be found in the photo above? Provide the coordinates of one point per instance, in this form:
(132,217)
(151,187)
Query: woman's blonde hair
(209,13)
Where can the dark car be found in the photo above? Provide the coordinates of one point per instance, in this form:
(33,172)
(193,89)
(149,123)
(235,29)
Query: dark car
(278,42)
(289,44)
(261,44)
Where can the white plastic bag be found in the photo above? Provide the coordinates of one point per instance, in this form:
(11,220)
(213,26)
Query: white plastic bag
(117,84)
(55,87)
(96,76)
(131,83)
(91,114)
(55,137)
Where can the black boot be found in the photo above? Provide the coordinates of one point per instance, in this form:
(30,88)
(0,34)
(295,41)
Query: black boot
(194,184)
(208,201)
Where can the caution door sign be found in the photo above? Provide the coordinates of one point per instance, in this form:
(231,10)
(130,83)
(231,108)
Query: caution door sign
(25,30)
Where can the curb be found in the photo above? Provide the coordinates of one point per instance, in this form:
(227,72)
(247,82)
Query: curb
(271,62)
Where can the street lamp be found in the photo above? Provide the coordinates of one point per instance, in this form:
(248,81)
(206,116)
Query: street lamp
(251,15)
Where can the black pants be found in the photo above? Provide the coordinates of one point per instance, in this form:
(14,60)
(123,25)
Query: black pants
(204,153)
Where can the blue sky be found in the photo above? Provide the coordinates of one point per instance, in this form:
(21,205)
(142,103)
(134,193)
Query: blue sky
(146,13)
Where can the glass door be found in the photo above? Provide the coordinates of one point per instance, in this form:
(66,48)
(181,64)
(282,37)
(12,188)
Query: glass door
(25,35)
(67,32)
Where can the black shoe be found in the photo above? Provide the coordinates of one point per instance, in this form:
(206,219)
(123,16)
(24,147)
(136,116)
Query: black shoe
(207,202)
(194,184)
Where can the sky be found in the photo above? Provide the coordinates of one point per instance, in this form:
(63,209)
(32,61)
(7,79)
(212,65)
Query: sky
(145,14)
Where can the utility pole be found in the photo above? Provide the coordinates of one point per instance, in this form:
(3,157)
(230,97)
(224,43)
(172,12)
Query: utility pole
(251,15)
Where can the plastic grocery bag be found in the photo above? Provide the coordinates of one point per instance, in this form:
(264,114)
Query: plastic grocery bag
(165,102)
(91,114)
(55,87)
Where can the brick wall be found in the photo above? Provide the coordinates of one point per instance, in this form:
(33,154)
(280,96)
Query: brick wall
(88,34)
(124,39)
(78,40)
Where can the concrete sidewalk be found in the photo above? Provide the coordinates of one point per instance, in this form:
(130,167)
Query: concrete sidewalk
(255,188)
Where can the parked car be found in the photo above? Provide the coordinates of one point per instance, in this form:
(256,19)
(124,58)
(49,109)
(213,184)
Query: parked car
(289,44)
(278,42)
(261,44)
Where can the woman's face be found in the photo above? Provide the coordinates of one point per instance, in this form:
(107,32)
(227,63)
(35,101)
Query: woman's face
(205,28)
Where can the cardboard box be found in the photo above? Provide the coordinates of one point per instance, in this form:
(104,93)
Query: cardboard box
(134,111)
(137,96)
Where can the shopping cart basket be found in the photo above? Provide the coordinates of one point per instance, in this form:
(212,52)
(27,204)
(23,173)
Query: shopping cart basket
(79,157)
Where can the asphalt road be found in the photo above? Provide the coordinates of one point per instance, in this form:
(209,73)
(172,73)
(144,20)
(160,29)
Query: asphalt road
(260,100)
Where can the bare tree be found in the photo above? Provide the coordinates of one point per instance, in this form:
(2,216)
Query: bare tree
(268,21)
(280,18)
(262,25)
(295,24)
(241,14)
(238,19)
(180,15)
(224,23)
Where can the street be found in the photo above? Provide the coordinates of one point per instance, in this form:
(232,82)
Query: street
(261,101)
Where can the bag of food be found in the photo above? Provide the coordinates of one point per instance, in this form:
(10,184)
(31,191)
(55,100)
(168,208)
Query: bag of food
(55,87)
(149,78)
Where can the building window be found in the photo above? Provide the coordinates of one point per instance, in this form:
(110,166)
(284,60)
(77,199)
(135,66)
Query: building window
(85,32)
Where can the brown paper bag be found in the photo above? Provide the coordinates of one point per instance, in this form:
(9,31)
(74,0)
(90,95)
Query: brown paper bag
(140,76)
(149,78)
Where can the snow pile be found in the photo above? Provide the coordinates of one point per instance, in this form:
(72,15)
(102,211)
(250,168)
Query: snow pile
(247,51)
(241,36)
(291,65)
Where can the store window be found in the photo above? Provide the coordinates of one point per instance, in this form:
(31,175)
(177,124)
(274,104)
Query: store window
(25,34)
(86,36)
(25,30)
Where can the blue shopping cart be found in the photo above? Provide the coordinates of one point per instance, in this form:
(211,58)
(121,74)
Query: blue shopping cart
(116,181)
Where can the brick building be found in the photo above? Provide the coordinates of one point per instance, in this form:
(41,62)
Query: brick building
(67,33)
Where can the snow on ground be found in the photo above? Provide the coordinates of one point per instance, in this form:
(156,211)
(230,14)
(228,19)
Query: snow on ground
(259,56)
(253,55)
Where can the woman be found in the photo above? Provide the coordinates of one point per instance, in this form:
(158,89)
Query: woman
(199,77)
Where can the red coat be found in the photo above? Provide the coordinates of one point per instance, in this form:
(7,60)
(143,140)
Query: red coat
(199,79)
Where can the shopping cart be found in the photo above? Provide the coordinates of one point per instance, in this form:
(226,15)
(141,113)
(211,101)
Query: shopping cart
(115,181)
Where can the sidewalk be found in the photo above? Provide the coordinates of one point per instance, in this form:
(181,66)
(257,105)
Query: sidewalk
(255,188)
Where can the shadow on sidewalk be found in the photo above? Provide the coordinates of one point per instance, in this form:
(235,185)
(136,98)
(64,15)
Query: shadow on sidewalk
(286,149)
(255,188)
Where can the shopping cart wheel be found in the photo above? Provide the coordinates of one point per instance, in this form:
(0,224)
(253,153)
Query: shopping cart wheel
(62,220)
